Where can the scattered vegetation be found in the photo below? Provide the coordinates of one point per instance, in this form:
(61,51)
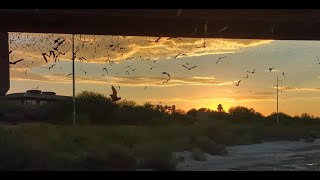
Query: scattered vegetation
(127,136)
(198,154)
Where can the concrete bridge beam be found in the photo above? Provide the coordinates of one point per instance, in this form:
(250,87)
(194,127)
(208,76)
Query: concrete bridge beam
(4,64)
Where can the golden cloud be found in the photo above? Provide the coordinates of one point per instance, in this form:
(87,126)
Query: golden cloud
(123,81)
(286,88)
(102,48)
(190,99)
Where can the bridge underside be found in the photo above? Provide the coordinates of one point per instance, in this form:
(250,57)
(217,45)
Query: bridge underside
(238,24)
(242,24)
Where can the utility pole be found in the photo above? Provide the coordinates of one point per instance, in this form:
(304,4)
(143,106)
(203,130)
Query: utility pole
(277,86)
(277,100)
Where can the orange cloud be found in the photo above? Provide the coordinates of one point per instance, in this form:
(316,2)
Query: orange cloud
(18,73)
(101,48)
(286,88)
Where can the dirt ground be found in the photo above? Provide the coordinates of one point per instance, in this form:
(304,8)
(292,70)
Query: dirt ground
(266,156)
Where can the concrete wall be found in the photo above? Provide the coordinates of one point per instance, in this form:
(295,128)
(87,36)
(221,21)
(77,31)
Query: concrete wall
(4,64)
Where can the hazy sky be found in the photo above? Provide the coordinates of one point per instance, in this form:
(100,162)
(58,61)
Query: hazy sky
(206,85)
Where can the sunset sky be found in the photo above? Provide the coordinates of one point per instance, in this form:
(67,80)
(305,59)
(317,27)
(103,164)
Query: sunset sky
(206,85)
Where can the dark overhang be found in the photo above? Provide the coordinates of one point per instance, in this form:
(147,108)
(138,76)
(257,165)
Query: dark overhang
(285,24)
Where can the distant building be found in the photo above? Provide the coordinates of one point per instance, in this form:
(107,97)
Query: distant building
(34,97)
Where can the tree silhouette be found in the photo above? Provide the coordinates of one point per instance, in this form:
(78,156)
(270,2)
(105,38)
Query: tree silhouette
(306,116)
(173,109)
(165,109)
(148,105)
(169,109)
(244,113)
(220,108)
(281,115)
(204,110)
(192,112)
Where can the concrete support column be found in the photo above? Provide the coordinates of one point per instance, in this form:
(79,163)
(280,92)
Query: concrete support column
(4,64)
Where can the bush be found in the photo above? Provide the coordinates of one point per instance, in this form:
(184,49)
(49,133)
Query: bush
(15,154)
(198,155)
(99,109)
(161,163)
(244,113)
(96,105)
(157,156)
(193,113)
(309,139)
(209,146)
(282,116)
(219,115)
(115,158)
(311,136)
(222,135)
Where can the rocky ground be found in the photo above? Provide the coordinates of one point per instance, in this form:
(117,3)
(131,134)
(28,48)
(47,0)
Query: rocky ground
(266,156)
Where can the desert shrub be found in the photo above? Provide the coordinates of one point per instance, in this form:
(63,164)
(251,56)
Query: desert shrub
(209,146)
(198,154)
(219,115)
(244,113)
(157,156)
(15,154)
(192,112)
(116,157)
(100,108)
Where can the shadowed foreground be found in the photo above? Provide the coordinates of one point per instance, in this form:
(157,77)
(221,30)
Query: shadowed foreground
(126,136)
(120,147)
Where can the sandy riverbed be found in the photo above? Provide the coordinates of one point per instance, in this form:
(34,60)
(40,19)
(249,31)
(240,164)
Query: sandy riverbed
(266,156)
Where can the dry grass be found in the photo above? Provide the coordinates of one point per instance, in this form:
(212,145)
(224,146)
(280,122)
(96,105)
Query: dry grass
(123,147)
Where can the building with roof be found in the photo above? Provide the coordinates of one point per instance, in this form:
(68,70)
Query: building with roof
(34,98)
